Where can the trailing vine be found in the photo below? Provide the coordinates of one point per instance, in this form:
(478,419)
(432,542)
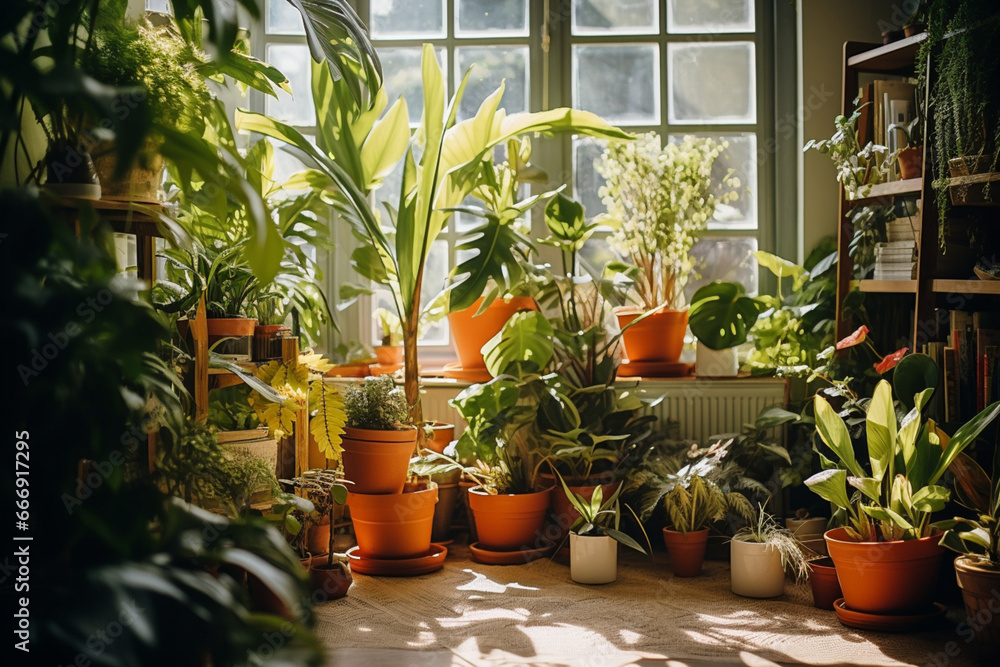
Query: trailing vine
(963,36)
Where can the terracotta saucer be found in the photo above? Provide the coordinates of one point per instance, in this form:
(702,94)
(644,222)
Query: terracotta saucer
(655,369)
(887,622)
(516,557)
(444,543)
(432,561)
(455,371)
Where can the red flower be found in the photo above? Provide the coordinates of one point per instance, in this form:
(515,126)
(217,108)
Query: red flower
(854,339)
(890,360)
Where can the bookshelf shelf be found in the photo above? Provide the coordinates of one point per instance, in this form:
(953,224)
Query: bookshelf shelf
(972,191)
(944,286)
(886,286)
(883,191)
(895,57)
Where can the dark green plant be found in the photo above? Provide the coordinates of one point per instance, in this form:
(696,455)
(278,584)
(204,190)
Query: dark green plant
(962,41)
(978,536)
(602,517)
(320,492)
(241,475)
(722,315)
(376,404)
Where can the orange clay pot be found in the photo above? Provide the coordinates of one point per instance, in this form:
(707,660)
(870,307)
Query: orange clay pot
(395,525)
(377,461)
(442,435)
(686,550)
(471,333)
(511,521)
(886,577)
(659,337)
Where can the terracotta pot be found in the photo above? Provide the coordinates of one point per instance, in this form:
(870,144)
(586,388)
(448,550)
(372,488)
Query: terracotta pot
(396,525)
(318,539)
(267,341)
(226,327)
(686,550)
(659,337)
(377,461)
(70,172)
(565,513)
(915,29)
(807,529)
(262,598)
(886,577)
(389,355)
(471,332)
(463,497)
(824,582)
(141,183)
(981,591)
(593,559)
(755,570)
(511,521)
(328,583)
(442,436)
(444,511)
(911,162)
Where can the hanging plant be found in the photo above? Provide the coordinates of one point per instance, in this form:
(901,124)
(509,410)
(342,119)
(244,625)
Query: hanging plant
(963,36)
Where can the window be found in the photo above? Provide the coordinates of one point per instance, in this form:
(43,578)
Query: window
(674,66)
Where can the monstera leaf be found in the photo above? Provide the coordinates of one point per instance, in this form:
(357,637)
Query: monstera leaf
(525,341)
(722,315)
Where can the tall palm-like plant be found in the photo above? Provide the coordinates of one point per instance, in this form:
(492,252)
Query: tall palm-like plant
(356,153)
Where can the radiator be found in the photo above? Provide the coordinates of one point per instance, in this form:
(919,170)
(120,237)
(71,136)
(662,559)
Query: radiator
(701,408)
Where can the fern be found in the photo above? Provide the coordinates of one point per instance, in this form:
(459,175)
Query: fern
(327,425)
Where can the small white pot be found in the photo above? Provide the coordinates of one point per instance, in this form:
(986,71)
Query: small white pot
(593,559)
(716,363)
(807,529)
(756,570)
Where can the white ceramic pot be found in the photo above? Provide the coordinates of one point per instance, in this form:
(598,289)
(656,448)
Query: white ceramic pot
(593,559)
(716,363)
(756,570)
(807,529)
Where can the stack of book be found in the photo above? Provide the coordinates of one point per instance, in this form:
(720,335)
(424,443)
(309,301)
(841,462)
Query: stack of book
(897,259)
(970,364)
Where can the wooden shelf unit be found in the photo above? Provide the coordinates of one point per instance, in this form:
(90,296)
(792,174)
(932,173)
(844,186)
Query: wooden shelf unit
(926,291)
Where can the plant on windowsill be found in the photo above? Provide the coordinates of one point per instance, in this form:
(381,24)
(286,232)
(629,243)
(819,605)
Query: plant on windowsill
(356,153)
(390,352)
(659,201)
(721,317)
(595,535)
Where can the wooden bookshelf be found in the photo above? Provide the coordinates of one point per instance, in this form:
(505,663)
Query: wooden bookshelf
(881,193)
(885,286)
(888,58)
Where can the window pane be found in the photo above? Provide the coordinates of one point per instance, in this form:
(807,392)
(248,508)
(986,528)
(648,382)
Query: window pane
(482,18)
(403,19)
(586,181)
(741,157)
(602,17)
(618,82)
(162,6)
(712,16)
(711,83)
(491,65)
(294,62)
(435,273)
(402,75)
(282,19)
(724,258)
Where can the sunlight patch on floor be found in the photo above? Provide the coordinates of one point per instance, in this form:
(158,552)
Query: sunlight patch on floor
(484,584)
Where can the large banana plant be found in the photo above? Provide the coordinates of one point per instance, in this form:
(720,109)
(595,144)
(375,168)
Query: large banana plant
(442,164)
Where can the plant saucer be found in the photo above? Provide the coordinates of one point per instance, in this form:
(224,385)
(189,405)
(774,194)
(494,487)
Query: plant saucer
(444,543)
(655,369)
(888,622)
(455,371)
(515,557)
(432,561)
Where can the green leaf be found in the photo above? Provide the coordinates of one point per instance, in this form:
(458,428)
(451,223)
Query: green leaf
(386,144)
(525,342)
(834,433)
(881,430)
(772,417)
(492,251)
(721,315)
(831,485)
(930,499)
(963,438)
(782,268)
(914,374)
(868,486)
(623,538)
(884,514)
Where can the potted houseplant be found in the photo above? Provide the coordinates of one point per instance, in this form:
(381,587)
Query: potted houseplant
(761,554)
(594,537)
(977,541)
(888,555)
(356,153)
(270,328)
(910,157)
(721,317)
(659,200)
(390,352)
(378,444)
(307,522)
(824,583)
(858,167)
(692,499)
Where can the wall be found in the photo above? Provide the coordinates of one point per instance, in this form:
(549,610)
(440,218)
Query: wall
(823,27)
